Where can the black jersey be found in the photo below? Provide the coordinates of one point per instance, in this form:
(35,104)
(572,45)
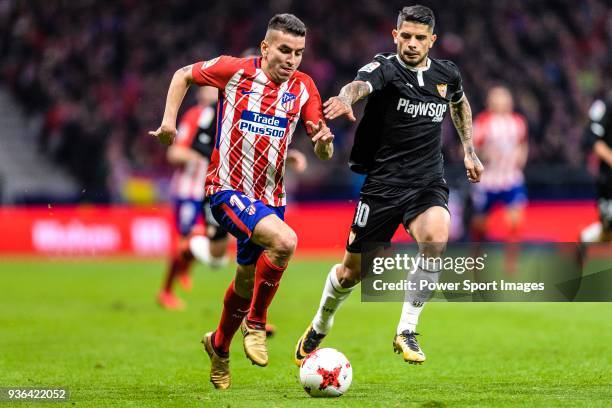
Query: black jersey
(398,141)
(600,128)
(204,140)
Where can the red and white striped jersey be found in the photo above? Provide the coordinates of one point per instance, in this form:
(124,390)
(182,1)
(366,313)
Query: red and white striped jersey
(256,119)
(499,138)
(188,180)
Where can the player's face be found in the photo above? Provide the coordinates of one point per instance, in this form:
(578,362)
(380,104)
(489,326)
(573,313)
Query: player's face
(281,54)
(499,100)
(207,95)
(413,43)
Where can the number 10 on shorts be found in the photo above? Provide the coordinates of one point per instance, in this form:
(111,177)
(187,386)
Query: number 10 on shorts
(361,215)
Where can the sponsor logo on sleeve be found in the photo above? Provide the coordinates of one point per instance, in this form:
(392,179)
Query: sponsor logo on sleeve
(370,67)
(209,63)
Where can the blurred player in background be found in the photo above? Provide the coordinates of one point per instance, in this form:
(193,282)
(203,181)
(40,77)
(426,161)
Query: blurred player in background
(262,100)
(599,135)
(398,146)
(191,154)
(501,137)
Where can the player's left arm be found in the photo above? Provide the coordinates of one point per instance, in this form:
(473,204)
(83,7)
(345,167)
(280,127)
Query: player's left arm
(181,80)
(461,114)
(322,138)
(312,115)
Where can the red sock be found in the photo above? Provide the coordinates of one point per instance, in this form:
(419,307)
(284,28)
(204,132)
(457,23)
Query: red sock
(267,277)
(177,266)
(234,309)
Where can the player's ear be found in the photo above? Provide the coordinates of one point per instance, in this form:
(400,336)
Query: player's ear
(264,47)
(394,34)
(433,40)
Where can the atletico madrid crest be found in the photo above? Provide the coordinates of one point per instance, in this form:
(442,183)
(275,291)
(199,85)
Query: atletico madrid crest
(287,101)
(442,90)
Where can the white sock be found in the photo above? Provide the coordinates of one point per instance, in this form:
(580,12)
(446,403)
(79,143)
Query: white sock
(410,316)
(331,299)
(199,246)
(218,262)
(414,301)
(592,233)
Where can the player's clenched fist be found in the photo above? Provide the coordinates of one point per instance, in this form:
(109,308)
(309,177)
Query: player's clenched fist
(165,134)
(474,167)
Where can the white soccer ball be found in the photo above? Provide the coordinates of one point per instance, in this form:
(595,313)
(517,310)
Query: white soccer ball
(326,372)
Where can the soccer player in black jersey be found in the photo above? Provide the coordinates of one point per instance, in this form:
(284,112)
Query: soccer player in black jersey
(599,133)
(398,146)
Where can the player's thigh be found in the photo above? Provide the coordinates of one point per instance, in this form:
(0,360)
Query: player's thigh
(374,222)
(515,200)
(271,232)
(239,214)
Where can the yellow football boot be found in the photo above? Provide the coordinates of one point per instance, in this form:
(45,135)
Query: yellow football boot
(406,344)
(219,366)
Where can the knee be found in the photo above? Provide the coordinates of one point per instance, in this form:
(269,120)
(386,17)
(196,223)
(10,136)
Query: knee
(433,244)
(349,276)
(285,244)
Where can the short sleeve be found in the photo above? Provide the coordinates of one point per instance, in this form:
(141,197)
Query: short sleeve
(215,72)
(312,110)
(373,74)
(455,86)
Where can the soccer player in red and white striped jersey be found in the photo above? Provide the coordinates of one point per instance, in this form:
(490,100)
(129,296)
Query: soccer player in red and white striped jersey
(501,135)
(261,102)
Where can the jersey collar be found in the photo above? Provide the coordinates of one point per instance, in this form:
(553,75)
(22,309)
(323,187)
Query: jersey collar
(403,64)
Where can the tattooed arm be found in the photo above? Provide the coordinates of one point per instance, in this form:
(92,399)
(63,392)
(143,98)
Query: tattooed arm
(341,104)
(181,81)
(461,114)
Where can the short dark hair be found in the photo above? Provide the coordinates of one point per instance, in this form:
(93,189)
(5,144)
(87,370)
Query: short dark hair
(418,14)
(288,23)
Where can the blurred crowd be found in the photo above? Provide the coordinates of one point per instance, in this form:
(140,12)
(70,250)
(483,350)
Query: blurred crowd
(98,71)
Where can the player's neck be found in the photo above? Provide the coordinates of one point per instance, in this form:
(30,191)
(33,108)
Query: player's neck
(421,66)
(266,70)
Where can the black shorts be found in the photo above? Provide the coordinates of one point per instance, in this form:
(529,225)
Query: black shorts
(382,208)
(213,230)
(604,200)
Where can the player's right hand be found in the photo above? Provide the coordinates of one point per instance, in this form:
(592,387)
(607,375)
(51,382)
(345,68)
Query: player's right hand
(165,134)
(336,106)
(473,167)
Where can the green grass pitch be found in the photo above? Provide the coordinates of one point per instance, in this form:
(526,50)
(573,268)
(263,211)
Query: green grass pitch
(93,326)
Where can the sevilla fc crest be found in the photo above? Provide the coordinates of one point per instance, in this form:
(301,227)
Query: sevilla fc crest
(287,101)
(442,90)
